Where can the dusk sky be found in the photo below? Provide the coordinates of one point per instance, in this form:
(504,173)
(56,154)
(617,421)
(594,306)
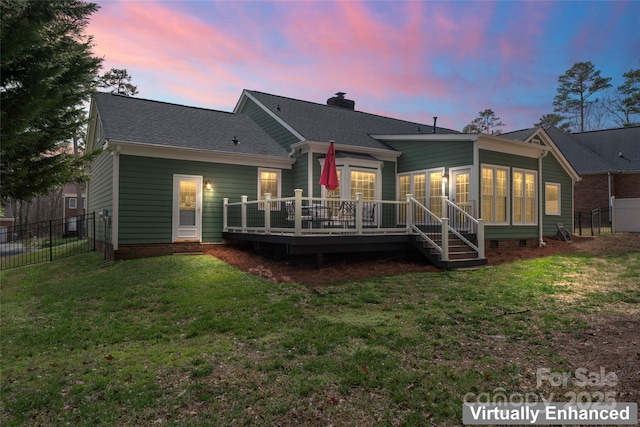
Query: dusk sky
(406,59)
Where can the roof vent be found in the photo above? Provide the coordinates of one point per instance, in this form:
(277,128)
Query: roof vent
(340,101)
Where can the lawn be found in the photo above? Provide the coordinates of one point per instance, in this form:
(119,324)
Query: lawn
(191,340)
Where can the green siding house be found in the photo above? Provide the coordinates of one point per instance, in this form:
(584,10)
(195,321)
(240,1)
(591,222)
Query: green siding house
(175,178)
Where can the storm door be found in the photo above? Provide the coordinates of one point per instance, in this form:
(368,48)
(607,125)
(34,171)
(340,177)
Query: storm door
(187,208)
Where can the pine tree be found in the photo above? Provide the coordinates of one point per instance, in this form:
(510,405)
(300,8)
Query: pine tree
(487,122)
(47,71)
(577,86)
(118,80)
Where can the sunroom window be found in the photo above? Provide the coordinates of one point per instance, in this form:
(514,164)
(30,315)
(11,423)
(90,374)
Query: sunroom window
(365,183)
(524,197)
(494,194)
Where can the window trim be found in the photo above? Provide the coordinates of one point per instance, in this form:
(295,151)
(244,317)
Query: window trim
(546,210)
(278,173)
(536,197)
(427,187)
(494,168)
(73,203)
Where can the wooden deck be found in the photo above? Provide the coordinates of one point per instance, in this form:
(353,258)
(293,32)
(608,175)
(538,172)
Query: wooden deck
(313,226)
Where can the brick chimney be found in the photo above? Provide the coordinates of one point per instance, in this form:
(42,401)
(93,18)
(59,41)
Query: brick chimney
(340,101)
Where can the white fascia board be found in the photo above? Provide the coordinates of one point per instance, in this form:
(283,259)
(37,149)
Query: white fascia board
(247,95)
(91,128)
(511,146)
(546,139)
(322,146)
(424,137)
(197,155)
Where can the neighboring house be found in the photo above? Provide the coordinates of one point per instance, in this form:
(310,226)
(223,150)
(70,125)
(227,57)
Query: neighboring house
(6,229)
(172,179)
(72,208)
(608,162)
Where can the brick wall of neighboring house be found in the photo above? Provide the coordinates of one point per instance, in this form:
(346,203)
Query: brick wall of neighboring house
(627,185)
(79,210)
(592,191)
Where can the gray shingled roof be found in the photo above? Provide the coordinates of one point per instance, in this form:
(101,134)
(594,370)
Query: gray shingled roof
(128,119)
(619,149)
(596,151)
(520,135)
(581,157)
(321,122)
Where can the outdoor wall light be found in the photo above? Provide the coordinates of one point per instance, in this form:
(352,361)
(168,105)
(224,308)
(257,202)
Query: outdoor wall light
(445,178)
(235,140)
(208,185)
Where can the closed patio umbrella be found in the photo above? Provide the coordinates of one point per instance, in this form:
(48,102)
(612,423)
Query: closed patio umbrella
(329,177)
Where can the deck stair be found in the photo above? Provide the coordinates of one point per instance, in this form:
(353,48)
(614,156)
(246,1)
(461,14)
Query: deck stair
(461,255)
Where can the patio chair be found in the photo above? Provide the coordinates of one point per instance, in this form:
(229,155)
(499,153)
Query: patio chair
(369,213)
(346,215)
(290,209)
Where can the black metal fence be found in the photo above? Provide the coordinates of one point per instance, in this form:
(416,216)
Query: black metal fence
(44,241)
(593,223)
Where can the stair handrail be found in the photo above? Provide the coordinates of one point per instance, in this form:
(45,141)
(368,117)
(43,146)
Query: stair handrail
(478,227)
(416,229)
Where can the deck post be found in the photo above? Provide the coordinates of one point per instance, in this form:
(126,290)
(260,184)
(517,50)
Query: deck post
(359,206)
(445,239)
(267,213)
(480,237)
(225,208)
(298,212)
(409,213)
(243,210)
(445,208)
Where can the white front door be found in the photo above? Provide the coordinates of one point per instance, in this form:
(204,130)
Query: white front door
(187,208)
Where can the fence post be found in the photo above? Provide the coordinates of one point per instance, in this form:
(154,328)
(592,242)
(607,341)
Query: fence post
(50,240)
(580,222)
(612,214)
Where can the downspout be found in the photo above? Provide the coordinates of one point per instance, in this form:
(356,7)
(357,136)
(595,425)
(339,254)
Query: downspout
(310,174)
(115,202)
(541,242)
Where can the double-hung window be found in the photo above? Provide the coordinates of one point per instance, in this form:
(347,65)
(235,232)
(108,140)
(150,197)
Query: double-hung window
(552,198)
(495,188)
(269,181)
(524,197)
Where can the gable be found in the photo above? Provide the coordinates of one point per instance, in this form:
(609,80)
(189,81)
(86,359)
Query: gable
(541,137)
(320,122)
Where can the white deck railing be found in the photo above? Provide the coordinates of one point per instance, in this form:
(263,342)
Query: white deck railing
(315,216)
